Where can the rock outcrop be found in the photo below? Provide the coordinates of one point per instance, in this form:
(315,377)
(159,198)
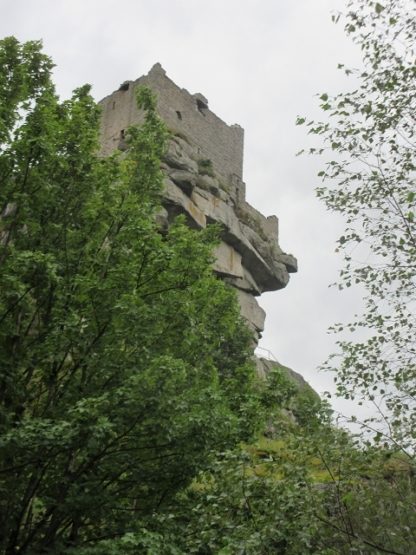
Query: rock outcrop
(203,167)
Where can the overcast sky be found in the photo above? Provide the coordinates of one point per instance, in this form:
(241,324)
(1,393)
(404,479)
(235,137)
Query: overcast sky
(260,63)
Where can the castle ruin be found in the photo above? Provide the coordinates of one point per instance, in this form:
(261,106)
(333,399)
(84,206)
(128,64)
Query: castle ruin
(204,181)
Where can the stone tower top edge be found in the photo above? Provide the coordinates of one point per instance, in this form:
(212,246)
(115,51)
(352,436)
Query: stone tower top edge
(157,68)
(184,113)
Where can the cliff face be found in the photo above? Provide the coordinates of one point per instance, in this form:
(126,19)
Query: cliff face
(203,167)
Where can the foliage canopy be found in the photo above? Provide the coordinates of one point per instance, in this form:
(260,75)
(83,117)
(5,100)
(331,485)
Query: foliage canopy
(371,180)
(369,142)
(124,366)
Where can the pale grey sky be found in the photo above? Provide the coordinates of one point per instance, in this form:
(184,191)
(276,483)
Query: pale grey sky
(260,63)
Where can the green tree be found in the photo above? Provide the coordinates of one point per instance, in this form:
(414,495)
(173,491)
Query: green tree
(124,367)
(369,143)
(370,179)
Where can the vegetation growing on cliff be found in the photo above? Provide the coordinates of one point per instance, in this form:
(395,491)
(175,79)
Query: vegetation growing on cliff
(205,167)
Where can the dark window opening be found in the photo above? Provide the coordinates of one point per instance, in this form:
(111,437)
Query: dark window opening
(122,143)
(178,114)
(114,105)
(124,87)
(201,106)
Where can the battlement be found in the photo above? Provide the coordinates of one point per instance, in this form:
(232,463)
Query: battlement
(184,113)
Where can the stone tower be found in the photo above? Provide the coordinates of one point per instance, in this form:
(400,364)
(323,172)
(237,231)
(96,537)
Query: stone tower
(204,181)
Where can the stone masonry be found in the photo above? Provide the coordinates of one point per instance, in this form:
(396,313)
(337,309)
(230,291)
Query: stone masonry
(203,167)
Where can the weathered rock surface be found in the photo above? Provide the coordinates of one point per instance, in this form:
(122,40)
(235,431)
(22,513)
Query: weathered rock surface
(203,167)
(251,312)
(303,394)
(265,366)
(228,262)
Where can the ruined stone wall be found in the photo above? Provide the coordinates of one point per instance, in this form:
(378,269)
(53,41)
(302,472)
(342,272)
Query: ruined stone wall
(183,113)
(249,257)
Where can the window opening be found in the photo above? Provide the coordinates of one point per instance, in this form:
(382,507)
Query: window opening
(201,106)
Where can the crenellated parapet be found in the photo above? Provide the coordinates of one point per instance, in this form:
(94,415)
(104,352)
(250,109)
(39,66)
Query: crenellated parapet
(204,181)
